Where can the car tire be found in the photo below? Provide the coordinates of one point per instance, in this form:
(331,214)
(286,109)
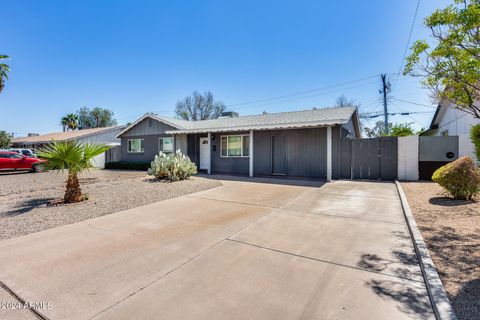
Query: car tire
(37,168)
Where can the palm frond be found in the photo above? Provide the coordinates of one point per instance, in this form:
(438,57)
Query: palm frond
(90,151)
(62,156)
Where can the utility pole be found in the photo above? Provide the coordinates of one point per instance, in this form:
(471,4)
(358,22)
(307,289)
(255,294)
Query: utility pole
(385,90)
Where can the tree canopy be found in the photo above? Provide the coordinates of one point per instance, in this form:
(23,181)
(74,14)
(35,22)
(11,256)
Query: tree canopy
(4,70)
(69,122)
(199,107)
(451,67)
(95,118)
(395,130)
(343,101)
(5,140)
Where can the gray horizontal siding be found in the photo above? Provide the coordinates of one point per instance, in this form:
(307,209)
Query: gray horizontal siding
(148,126)
(103,137)
(234,165)
(306,153)
(150,143)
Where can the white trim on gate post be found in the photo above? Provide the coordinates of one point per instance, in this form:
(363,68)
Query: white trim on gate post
(329,153)
(250,149)
(209,168)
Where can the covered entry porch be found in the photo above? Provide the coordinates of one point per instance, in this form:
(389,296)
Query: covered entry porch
(306,152)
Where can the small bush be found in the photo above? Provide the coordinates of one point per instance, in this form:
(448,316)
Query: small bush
(172,167)
(475,136)
(128,165)
(460,179)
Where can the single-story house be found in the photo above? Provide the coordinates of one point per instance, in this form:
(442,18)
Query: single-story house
(297,144)
(451,121)
(107,135)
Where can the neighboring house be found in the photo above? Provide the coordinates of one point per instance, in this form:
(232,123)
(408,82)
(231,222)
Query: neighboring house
(299,143)
(106,136)
(449,121)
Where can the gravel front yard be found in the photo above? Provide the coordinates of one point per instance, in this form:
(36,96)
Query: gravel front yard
(451,229)
(25,197)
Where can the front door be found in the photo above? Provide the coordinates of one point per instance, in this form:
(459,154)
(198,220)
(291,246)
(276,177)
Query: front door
(279,154)
(204,153)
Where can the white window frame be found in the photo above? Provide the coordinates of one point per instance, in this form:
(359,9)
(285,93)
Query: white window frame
(173,144)
(141,143)
(241,143)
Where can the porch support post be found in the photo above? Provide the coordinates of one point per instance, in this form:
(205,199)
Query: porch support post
(329,153)
(250,148)
(209,169)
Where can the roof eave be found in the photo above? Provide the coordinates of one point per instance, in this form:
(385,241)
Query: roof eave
(261,127)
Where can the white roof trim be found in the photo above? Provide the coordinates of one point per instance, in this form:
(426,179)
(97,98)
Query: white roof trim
(310,124)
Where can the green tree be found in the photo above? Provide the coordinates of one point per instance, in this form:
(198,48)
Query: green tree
(475,136)
(451,68)
(378,130)
(74,157)
(5,140)
(69,122)
(199,107)
(401,130)
(395,130)
(4,70)
(95,118)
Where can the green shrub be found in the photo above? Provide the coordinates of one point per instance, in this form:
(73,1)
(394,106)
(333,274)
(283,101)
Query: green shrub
(460,179)
(172,167)
(475,136)
(128,165)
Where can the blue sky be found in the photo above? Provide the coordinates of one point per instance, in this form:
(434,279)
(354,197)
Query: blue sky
(139,56)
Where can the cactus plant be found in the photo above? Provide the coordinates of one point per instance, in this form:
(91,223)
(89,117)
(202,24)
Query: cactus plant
(172,167)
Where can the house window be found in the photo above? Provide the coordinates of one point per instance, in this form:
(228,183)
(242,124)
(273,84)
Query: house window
(135,145)
(165,144)
(235,146)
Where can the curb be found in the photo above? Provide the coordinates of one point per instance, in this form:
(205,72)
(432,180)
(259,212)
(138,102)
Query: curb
(438,297)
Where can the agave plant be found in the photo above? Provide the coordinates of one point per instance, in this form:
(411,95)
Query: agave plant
(74,157)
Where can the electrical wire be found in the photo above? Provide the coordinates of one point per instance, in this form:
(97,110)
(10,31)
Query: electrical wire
(414,103)
(407,45)
(304,97)
(301,92)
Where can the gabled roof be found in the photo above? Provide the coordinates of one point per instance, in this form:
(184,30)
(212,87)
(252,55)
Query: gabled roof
(435,119)
(282,120)
(64,136)
(176,123)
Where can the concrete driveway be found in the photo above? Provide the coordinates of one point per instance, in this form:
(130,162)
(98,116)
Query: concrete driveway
(260,249)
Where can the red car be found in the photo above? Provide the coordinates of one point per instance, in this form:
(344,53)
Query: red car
(14,161)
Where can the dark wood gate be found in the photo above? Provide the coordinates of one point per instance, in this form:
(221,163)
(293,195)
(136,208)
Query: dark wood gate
(372,159)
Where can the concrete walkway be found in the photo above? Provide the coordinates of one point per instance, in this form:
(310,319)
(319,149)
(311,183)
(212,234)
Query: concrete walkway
(246,250)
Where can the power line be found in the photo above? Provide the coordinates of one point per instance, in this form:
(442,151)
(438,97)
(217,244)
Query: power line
(380,114)
(414,103)
(306,97)
(421,123)
(301,92)
(408,43)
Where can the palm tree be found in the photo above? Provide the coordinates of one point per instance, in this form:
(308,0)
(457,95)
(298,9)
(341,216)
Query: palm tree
(74,157)
(64,123)
(70,122)
(4,70)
